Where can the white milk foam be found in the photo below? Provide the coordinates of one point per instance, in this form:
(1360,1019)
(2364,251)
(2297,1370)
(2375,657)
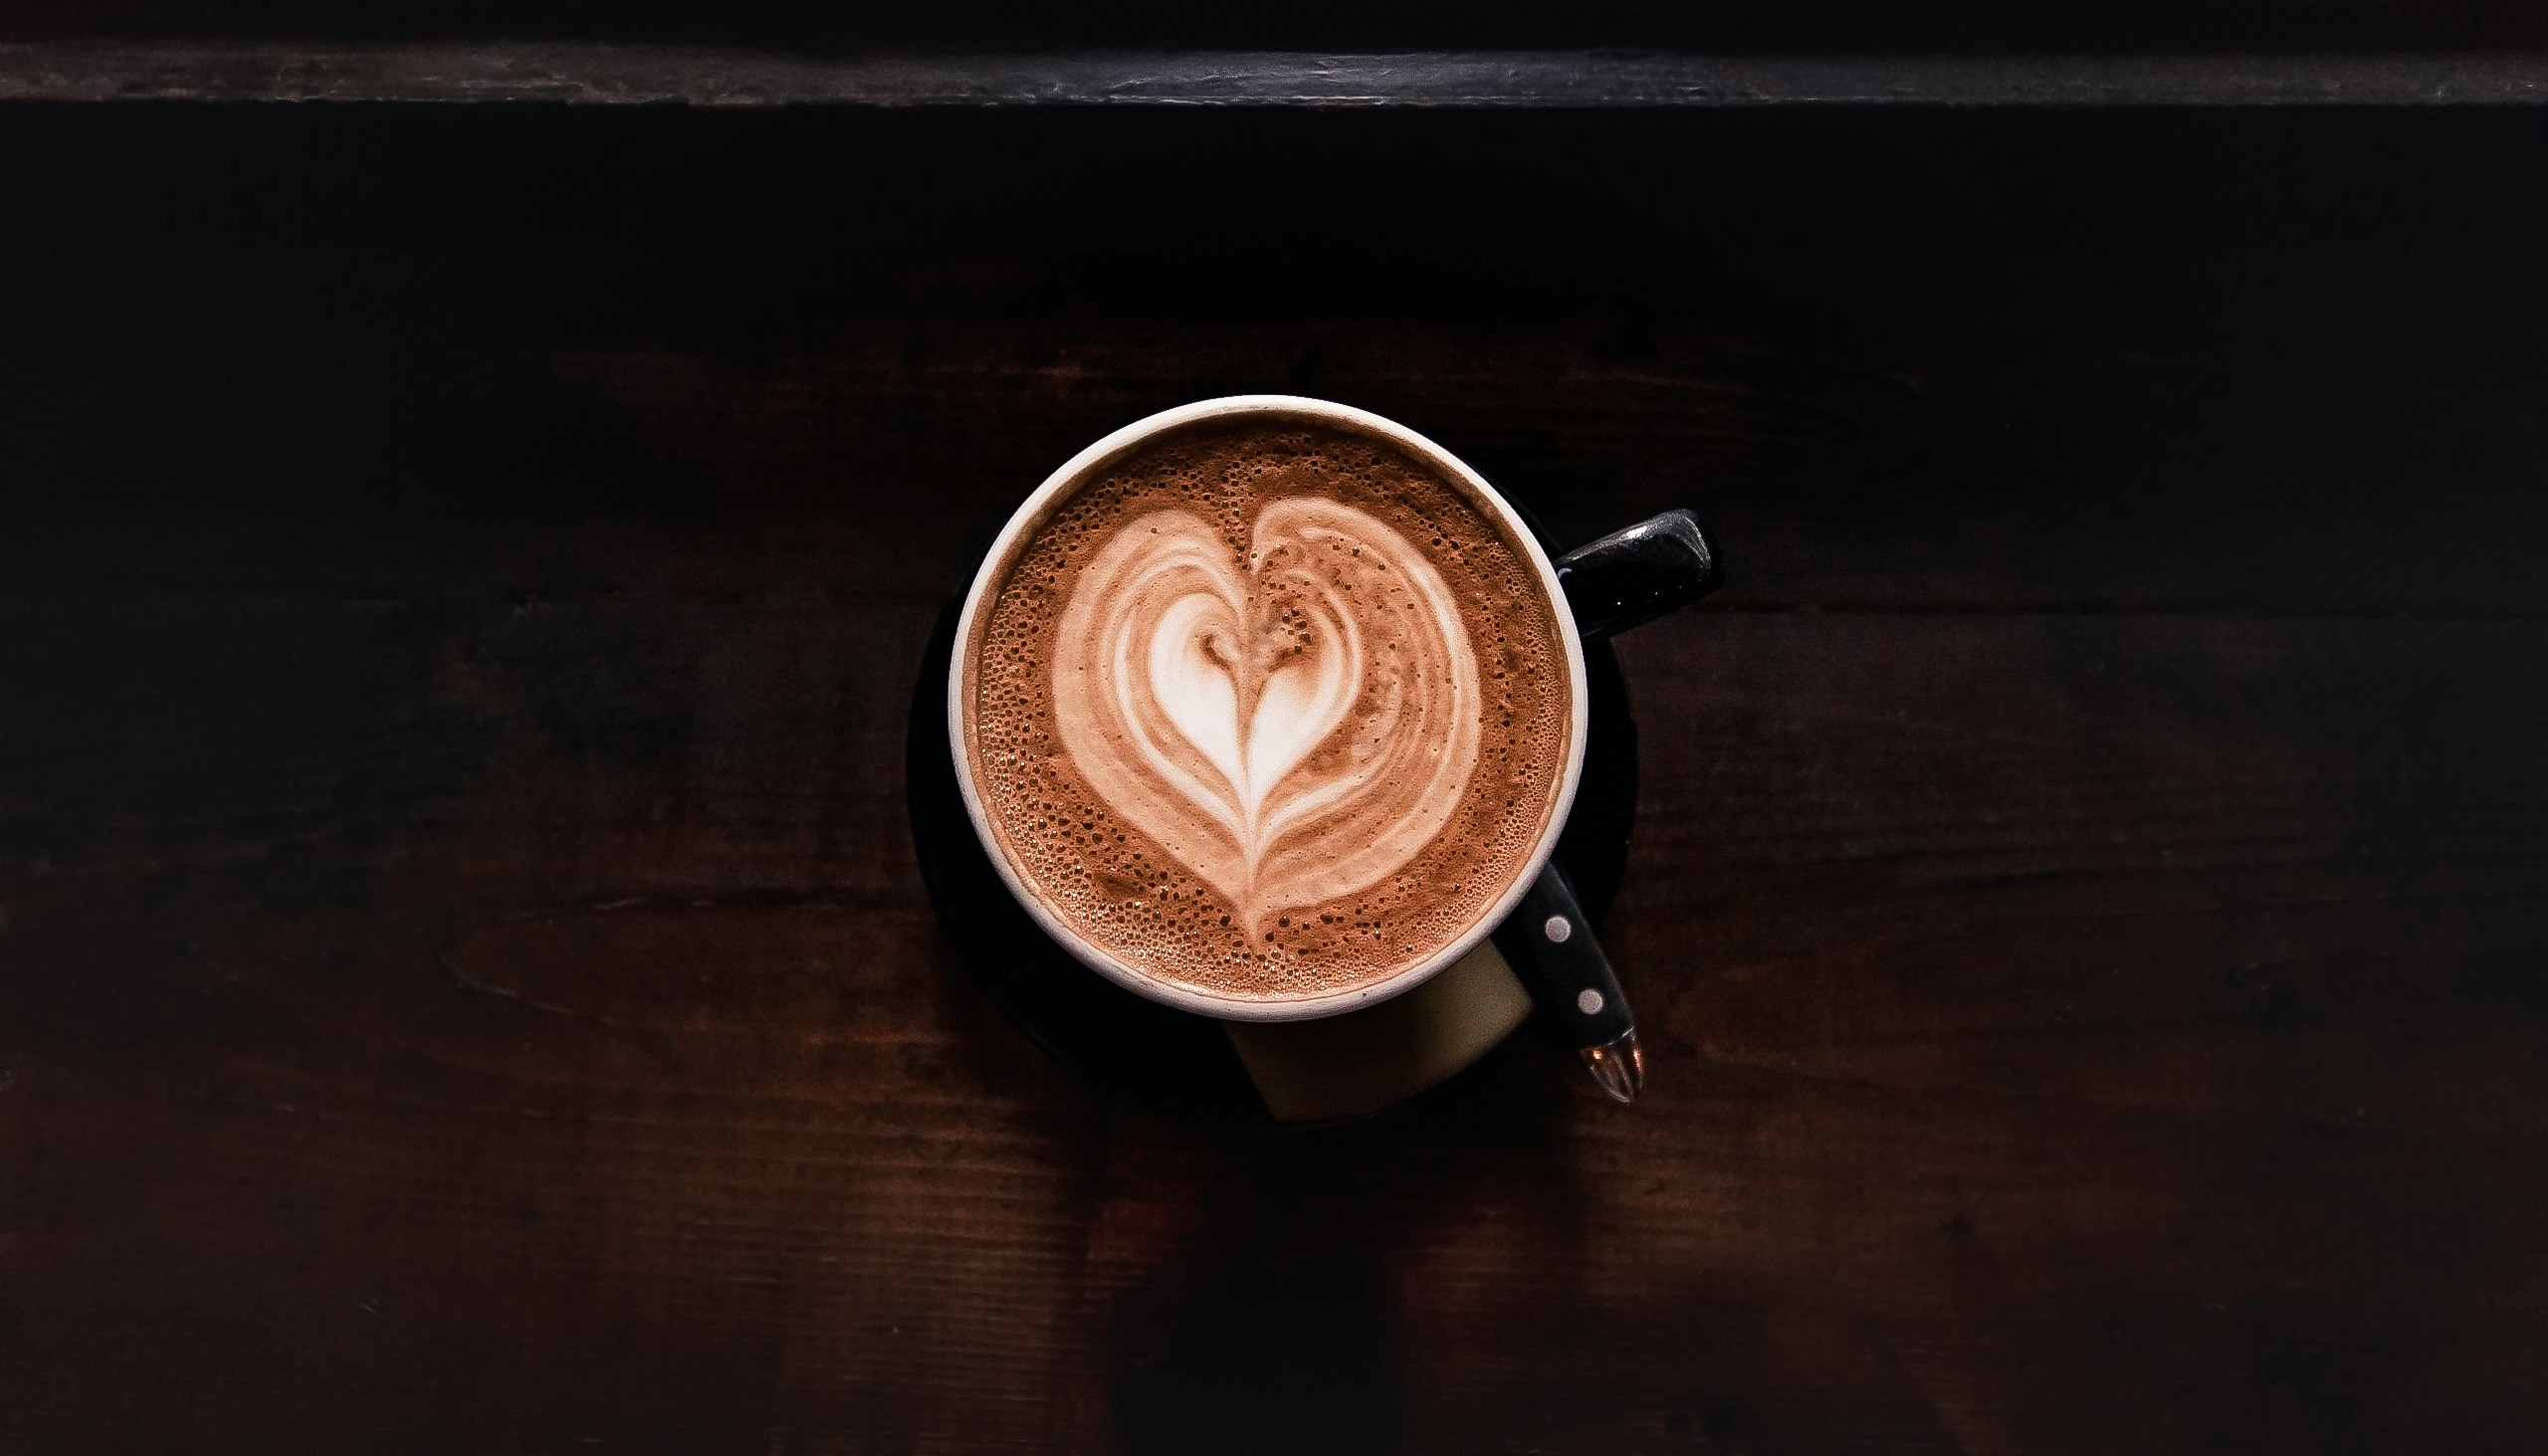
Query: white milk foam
(1196,683)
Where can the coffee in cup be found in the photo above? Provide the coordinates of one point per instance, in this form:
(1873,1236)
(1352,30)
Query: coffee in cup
(1268,706)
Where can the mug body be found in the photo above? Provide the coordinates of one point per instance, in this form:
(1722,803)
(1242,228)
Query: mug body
(1056,488)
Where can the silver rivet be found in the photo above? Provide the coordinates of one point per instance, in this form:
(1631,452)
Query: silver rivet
(1557,928)
(1588,1002)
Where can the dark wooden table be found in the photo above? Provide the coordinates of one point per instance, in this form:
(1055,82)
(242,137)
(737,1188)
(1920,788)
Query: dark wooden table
(465,985)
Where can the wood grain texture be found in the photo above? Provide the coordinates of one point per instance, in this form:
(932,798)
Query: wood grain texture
(618,75)
(465,985)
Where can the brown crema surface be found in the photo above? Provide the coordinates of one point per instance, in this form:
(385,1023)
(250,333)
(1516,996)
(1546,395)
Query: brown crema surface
(1134,848)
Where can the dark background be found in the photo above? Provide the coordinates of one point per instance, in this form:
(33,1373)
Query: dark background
(465,985)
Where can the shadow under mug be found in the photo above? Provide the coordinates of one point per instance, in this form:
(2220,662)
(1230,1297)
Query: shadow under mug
(1624,578)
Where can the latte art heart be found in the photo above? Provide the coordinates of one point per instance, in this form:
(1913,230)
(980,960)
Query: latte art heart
(1290,725)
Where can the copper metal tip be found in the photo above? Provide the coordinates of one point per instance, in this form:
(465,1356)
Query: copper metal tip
(1618,1065)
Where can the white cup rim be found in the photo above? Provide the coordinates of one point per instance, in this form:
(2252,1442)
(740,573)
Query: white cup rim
(1030,514)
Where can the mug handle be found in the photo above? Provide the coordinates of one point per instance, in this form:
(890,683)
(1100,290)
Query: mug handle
(1627,578)
(1633,576)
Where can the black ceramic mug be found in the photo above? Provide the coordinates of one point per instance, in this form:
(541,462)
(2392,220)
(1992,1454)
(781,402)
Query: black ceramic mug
(1616,582)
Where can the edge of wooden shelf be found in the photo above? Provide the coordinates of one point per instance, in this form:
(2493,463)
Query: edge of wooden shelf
(609,73)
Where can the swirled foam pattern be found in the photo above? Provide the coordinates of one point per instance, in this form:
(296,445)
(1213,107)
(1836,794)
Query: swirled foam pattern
(1268,712)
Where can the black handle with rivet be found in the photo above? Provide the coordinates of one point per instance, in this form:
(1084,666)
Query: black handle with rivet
(1625,579)
(1550,945)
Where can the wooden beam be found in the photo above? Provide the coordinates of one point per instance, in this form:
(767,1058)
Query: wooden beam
(582,73)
